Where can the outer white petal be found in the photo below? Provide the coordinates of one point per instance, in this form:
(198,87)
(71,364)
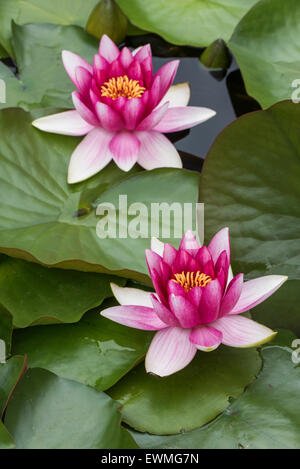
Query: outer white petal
(242,332)
(257,290)
(131,296)
(65,123)
(157,246)
(183,117)
(156,151)
(169,351)
(90,156)
(177,95)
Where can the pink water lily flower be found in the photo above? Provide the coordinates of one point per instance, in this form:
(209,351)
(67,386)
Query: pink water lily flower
(197,304)
(123,109)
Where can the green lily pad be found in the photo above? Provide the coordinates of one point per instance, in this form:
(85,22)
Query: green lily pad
(6,327)
(266,46)
(66,12)
(49,296)
(6,441)
(266,416)
(94,351)
(49,412)
(250,182)
(189,398)
(10,374)
(195,23)
(40,222)
(36,46)
(108,18)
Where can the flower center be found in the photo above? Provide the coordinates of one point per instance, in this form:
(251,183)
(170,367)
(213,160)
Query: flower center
(122,87)
(189,280)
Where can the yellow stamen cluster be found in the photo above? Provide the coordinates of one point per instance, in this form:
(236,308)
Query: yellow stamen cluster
(189,280)
(122,87)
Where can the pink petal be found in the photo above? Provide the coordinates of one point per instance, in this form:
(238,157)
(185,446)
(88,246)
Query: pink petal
(84,110)
(138,317)
(65,123)
(153,260)
(125,148)
(153,94)
(169,351)
(116,69)
(206,338)
(152,119)
(239,331)
(84,80)
(131,296)
(109,118)
(133,112)
(71,61)
(156,151)
(195,295)
(184,311)
(141,53)
(166,74)
(134,71)
(222,263)
(210,302)
(126,57)
(108,49)
(185,117)
(163,312)
(220,242)
(90,156)
(203,256)
(257,290)
(184,262)
(232,295)
(189,243)
(169,254)
(177,95)
(174,288)
(157,246)
(146,67)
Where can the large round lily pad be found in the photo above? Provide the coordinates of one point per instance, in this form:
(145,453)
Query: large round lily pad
(189,398)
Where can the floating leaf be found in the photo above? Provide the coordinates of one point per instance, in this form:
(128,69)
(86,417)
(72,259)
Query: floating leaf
(195,23)
(10,374)
(49,412)
(6,326)
(189,398)
(94,351)
(266,46)
(6,441)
